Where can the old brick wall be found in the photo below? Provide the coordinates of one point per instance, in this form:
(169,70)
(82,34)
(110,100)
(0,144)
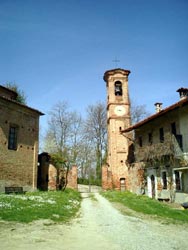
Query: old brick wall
(52,181)
(136,178)
(72,178)
(132,180)
(18,167)
(106,178)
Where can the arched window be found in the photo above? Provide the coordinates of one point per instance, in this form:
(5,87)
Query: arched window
(118,88)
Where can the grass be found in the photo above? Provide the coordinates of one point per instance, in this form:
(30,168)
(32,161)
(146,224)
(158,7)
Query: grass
(148,206)
(55,205)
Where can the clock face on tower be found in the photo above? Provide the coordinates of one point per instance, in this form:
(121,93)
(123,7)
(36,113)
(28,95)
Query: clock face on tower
(119,110)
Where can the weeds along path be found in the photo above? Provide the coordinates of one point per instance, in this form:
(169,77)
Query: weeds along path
(99,226)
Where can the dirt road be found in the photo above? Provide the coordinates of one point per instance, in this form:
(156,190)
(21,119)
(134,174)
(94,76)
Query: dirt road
(98,227)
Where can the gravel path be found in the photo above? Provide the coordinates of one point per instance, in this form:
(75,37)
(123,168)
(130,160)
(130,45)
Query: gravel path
(99,227)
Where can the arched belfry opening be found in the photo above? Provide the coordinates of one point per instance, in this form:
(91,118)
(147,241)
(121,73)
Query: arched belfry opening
(118,88)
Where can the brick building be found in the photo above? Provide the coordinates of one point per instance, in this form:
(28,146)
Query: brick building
(117,173)
(19,133)
(161,150)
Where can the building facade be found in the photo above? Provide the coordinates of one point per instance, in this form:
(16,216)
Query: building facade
(19,139)
(150,157)
(161,150)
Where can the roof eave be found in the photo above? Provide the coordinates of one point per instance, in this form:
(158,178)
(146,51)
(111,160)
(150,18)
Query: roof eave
(22,105)
(154,116)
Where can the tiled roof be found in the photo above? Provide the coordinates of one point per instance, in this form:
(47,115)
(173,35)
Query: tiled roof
(179,104)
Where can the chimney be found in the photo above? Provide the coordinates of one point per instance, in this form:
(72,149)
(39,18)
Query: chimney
(183,92)
(158,107)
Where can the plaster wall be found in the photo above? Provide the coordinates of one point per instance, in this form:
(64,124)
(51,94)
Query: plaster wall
(183,120)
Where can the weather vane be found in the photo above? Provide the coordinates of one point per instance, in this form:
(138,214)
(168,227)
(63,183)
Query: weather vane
(116,61)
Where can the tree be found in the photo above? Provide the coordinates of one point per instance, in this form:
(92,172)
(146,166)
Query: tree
(75,135)
(62,139)
(21,98)
(96,131)
(62,167)
(86,158)
(78,142)
(58,132)
(138,113)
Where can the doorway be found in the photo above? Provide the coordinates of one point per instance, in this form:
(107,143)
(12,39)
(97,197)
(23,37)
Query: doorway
(122,184)
(152,186)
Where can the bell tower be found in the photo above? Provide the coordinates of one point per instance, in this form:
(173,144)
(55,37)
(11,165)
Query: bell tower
(118,118)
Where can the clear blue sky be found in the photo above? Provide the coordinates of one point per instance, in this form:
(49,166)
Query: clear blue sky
(58,50)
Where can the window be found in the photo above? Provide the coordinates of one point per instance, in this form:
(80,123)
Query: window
(118,88)
(164,180)
(12,139)
(161,135)
(173,128)
(177,180)
(179,139)
(140,141)
(150,138)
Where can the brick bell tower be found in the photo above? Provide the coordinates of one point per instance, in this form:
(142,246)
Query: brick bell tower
(115,172)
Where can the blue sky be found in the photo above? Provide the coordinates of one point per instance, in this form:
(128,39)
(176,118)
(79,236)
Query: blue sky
(58,50)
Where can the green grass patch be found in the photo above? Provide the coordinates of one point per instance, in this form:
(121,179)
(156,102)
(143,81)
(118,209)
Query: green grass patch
(146,205)
(55,205)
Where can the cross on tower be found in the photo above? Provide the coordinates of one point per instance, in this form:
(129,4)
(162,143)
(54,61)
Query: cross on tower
(116,61)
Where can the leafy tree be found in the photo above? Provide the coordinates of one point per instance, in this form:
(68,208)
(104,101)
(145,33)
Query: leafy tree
(62,166)
(57,160)
(21,98)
